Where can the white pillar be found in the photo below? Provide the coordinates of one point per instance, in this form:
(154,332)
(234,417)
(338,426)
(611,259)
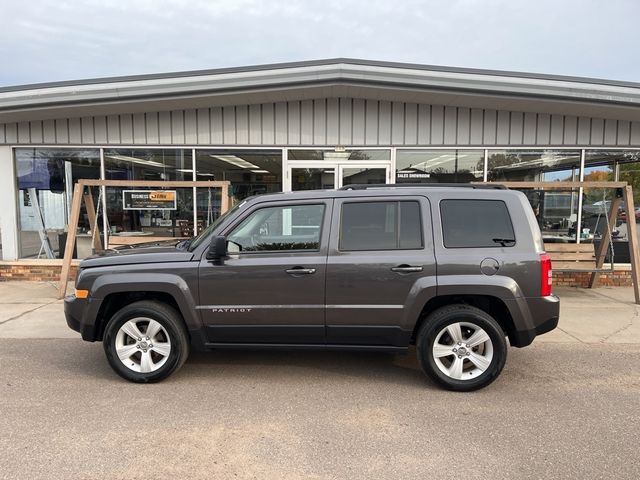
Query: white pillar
(8,206)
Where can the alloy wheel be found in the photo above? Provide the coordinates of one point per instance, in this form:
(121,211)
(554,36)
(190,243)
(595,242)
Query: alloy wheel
(462,351)
(142,345)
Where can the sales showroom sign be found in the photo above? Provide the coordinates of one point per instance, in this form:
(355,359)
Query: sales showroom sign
(149,200)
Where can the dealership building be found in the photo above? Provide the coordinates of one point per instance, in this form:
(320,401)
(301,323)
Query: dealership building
(299,126)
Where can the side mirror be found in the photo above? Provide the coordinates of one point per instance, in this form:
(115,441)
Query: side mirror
(217,248)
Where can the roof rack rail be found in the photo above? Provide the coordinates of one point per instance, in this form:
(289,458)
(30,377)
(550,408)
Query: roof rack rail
(478,186)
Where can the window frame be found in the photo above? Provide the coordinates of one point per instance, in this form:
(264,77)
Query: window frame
(397,223)
(320,203)
(476,200)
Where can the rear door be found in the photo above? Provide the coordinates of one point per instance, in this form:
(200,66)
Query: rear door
(380,255)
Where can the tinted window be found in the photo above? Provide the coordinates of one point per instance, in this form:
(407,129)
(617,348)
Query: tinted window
(290,227)
(476,223)
(380,226)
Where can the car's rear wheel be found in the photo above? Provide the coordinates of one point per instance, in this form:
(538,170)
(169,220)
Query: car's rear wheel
(146,341)
(461,347)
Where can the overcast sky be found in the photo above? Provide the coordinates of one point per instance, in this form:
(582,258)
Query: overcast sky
(43,41)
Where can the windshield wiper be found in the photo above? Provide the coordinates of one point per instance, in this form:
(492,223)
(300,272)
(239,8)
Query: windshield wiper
(503,241)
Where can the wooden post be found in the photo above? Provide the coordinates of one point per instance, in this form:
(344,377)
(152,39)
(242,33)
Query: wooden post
(224,199)
(91,213)
(632,234)
(71,238)
(601,252)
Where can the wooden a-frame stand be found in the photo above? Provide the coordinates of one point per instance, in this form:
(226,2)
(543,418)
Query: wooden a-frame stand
(600,254)
(79,194)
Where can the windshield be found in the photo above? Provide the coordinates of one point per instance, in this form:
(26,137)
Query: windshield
(197,240)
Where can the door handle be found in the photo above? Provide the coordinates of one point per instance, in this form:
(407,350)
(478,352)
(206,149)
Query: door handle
(300,271)
(406,269)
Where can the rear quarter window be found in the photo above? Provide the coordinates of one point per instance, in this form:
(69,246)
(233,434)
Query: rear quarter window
(476,224)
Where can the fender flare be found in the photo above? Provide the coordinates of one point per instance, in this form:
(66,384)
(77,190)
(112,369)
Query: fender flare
(500,287)
(167,283)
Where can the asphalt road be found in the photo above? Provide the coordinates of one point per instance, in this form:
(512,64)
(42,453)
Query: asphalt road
(557,411)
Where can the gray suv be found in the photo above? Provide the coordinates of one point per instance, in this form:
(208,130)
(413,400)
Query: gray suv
(453,269)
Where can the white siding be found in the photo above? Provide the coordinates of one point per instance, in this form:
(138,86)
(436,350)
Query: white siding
(328,122)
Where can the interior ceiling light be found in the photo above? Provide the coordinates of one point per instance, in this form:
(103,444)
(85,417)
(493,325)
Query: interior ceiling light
(236,161)
(260,171)
(139,161)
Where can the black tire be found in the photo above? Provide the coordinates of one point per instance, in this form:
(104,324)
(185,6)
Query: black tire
(172,323)
(439,320)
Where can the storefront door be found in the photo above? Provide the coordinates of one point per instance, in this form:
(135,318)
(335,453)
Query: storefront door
(326,176)
(313,177)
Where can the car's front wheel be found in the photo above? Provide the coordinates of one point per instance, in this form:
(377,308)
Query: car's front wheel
(461,347)
(146,341)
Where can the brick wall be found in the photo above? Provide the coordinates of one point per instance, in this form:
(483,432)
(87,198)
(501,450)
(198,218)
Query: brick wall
(34,272)
(617,278)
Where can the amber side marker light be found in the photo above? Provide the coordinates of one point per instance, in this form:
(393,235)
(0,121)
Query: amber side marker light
(82,293)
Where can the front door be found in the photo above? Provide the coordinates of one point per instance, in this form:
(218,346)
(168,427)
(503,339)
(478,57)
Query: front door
(380,256)
(270,289)
(328,175)
(318,177)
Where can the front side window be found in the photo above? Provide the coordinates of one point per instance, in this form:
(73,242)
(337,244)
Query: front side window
(287,227)
(380,226)
(476,223)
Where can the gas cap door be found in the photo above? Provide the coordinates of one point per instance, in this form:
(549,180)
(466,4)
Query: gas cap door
(489,266)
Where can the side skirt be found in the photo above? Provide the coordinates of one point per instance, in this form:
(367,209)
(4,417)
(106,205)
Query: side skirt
(295,346)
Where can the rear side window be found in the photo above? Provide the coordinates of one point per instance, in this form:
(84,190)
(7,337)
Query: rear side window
(476,223)
(381,226)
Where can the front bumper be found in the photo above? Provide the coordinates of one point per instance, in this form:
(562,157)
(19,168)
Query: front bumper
(545,313)
(75,312)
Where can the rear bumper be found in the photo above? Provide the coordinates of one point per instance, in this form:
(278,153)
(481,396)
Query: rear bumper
(75,310)
(545,313)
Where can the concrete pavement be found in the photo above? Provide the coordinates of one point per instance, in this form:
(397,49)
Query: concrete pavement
(558,411)
(566,407)
(31,310)
(601,315)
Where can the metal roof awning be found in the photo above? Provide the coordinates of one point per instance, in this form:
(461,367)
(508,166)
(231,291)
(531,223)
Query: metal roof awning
(471,88)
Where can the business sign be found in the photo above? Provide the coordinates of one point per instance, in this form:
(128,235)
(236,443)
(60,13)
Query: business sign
(149,200)
(412,174)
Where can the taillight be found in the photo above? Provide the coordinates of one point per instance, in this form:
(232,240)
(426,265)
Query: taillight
(545,275)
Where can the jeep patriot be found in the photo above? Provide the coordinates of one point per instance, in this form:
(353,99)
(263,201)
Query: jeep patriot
(455,270)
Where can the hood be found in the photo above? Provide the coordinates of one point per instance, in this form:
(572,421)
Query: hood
(150,252)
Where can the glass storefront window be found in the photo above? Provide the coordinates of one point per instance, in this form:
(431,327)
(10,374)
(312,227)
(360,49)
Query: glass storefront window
(439,166)
(601,165)
(148,164)
(339,156)
(596,201)
(363,176)
(533,165)
(556,210)
(627,163)
(251,172)
(45,179)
